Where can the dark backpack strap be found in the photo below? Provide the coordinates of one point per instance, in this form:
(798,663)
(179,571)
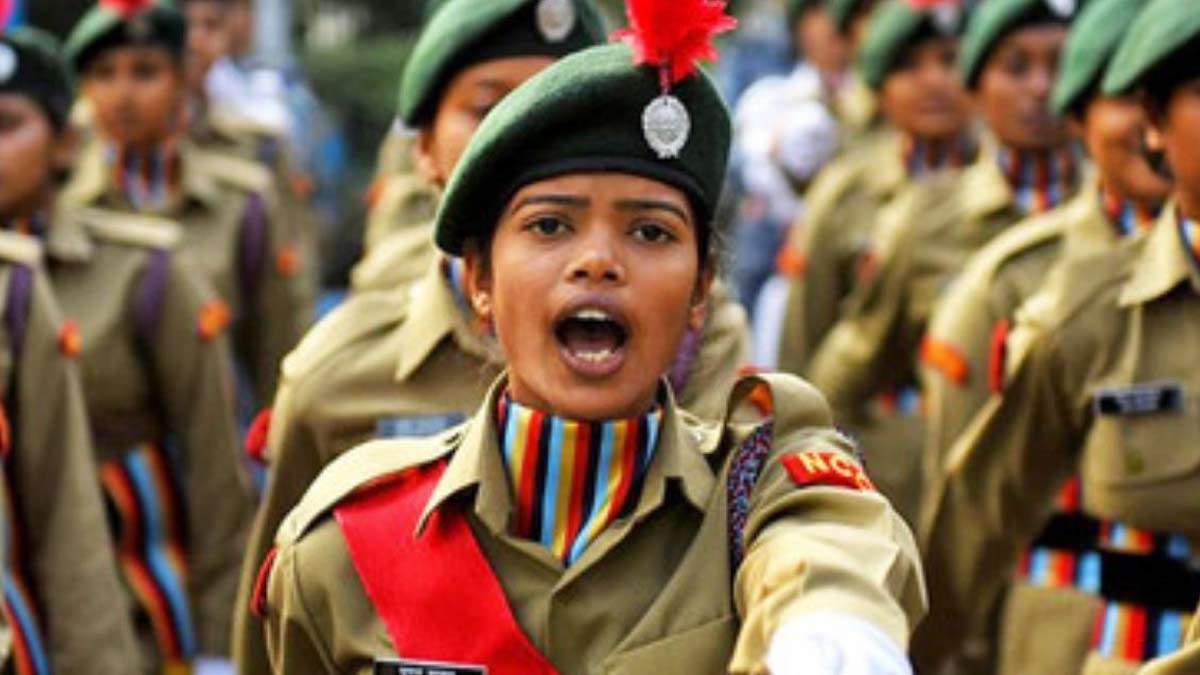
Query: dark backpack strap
(19,297)
(252,250)
(151,293)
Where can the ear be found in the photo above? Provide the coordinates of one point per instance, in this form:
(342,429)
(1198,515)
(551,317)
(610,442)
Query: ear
(478,279)
(1155,125)
(423,157)
(698,311)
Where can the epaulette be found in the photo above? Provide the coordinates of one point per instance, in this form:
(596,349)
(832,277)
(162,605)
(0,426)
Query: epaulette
(20,248)
(232,125)
(243,174)
(361,315)
(131,228)
(362,467)
(1013,242)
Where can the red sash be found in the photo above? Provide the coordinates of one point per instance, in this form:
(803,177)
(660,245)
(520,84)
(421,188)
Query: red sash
(436,592)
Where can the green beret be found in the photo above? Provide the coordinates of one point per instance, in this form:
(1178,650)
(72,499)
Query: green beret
(996,19)
(843,11)
(589,112)
(1163,32)
(30,65)
(117,23)
(895,28)
(465,32)
(1094,38)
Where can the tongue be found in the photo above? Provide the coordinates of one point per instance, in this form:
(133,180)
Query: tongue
(584,337)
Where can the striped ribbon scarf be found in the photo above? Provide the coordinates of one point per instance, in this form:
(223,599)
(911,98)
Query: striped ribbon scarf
(148,180)
(925,157)
(30,655)
(33,225)
(572,479)
(1040,180)
(1189,230)
(1127,216)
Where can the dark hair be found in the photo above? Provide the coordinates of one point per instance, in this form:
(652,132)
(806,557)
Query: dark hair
(1180,68)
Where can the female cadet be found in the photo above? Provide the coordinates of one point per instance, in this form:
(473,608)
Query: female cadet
(580,522)
(1101,381)
(1009,61)
(128,55)
(416,362)
(63,602)
(149,334)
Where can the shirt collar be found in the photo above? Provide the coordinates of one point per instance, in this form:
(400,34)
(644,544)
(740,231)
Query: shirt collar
(1161,263)
(477,463)
(92,182)
(67,240)
(434,314)
(984,188)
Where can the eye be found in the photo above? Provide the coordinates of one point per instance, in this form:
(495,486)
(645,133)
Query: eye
(548,226)
(652,233)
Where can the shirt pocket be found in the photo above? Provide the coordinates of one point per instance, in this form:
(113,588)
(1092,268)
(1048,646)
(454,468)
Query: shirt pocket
(1137,441)
(701,650)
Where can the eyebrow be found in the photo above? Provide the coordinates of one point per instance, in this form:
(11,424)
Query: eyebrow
(652,205)
(558,200)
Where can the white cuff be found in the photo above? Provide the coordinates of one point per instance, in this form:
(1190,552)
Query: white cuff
(834,644)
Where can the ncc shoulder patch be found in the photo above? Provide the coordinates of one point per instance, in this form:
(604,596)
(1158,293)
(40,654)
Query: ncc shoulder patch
(946,359)
(405,667)
(814,467)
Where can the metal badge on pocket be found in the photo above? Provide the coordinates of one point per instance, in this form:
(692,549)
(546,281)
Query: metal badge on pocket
(1139,399)
(417,426)
(404,667)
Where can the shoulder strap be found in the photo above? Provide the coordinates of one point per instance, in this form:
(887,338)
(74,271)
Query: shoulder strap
(16,307)
(150,295)
(434,590)
(252,251)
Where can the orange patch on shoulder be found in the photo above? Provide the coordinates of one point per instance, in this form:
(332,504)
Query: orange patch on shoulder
(256,437)
(70,342)
(213,320)
(826,468)
(5,434)
(791,263)
(945,358)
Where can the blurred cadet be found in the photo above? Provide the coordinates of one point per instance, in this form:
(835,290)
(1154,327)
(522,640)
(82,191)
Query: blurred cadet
(1120,199)
(857,107)
(148,332)
(64,606)
(1100,381)
(238,81)
(581,521)
(908,60)
(129,57)
(421,362)
(1009,61)
(784,132)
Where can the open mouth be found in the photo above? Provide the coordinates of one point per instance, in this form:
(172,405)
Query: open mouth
(592,341)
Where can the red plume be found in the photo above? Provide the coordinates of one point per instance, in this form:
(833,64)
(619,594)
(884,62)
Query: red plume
(674,35)
(126,8)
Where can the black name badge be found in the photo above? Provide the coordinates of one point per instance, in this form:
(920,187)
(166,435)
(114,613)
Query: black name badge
(406,667)
(417,426)
(1139,399)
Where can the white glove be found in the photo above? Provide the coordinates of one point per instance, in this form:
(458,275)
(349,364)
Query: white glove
(209,665)
(834,644)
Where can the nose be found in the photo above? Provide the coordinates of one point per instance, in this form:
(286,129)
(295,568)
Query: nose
(1041,82)
(596,260)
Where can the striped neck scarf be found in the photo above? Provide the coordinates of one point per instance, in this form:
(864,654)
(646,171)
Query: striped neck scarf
(148,180)
(1039,180)
(1126,215)
(924,156)
(572,479)
(1189,231)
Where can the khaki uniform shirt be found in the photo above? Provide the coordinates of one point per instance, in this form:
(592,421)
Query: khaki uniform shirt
(408,363)
(997,281)
(51,481)
(262,282)
(398,203)
(167,382)
(398,260)
(839,214)
(1107,322)
(817,549)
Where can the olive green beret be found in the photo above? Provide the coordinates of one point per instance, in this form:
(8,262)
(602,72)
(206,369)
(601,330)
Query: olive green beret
(896,27)
(586,113)
(996,19)
(465,32)
(30,65)
(1094,38)
(115,23)
(1163,31)
(843,11)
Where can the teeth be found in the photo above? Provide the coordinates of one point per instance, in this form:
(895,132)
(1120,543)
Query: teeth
(595,357)
(591,315)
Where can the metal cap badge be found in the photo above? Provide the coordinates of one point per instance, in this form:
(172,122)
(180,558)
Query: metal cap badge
(555,19)
(8,62)
(672,36)
(1062,8)
(947,18)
